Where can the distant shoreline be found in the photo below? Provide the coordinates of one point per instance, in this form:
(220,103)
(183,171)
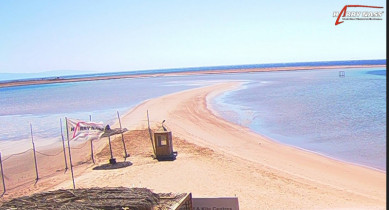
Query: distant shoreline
(199,72)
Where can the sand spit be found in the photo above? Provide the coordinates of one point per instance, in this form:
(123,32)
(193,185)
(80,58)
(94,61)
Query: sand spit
(217,158)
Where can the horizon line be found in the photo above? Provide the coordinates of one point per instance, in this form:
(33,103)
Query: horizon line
(190,67)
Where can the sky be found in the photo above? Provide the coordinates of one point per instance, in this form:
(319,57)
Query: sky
(116,35)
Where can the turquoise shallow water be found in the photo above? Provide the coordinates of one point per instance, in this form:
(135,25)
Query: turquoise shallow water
(341,117)
(344,118)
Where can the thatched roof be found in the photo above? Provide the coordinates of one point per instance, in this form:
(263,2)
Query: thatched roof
(92,198)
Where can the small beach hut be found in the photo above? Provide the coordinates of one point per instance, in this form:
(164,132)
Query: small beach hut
(163,145)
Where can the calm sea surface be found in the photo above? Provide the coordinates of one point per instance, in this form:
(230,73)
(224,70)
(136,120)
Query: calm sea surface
(340,117)
(344,118)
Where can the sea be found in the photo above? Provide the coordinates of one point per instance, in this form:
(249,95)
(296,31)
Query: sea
(323,111)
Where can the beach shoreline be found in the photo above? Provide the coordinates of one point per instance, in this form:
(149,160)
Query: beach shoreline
(215,112)
(199,128)
(246,70)
(226,159)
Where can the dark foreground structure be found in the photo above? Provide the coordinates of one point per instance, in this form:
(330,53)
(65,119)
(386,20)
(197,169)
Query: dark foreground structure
(102,198)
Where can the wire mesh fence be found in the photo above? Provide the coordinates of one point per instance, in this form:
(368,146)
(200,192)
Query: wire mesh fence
(20,170)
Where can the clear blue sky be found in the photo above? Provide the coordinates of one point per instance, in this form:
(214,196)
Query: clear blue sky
(96,35)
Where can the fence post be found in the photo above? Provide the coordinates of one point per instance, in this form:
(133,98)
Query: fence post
(110,147)
(91,143)
(63,146)
(91,150)
(33,148)
(2,175)
(70,154)
(121,131)
(150,133)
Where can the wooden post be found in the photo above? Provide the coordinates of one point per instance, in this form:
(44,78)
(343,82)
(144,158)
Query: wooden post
(121,131)
(34,152)
(110,147)
(112,160)
(63,146)
(91,151)
(2,175)
(148,120)
(151,136)
(70,154)
(91,143)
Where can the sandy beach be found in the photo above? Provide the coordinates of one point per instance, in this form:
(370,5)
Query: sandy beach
(217,158)
(193,105)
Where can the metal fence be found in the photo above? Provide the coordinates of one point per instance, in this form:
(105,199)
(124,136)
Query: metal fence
(18,170)
(33,166)
(46,166)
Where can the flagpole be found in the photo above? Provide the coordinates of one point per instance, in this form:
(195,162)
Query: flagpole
(70,155)
(63,146)
(121,131)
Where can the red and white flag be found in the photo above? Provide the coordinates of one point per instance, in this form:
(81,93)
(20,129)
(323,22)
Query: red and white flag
(81,130)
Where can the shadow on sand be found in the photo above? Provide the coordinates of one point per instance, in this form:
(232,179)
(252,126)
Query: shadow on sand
(109,166)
